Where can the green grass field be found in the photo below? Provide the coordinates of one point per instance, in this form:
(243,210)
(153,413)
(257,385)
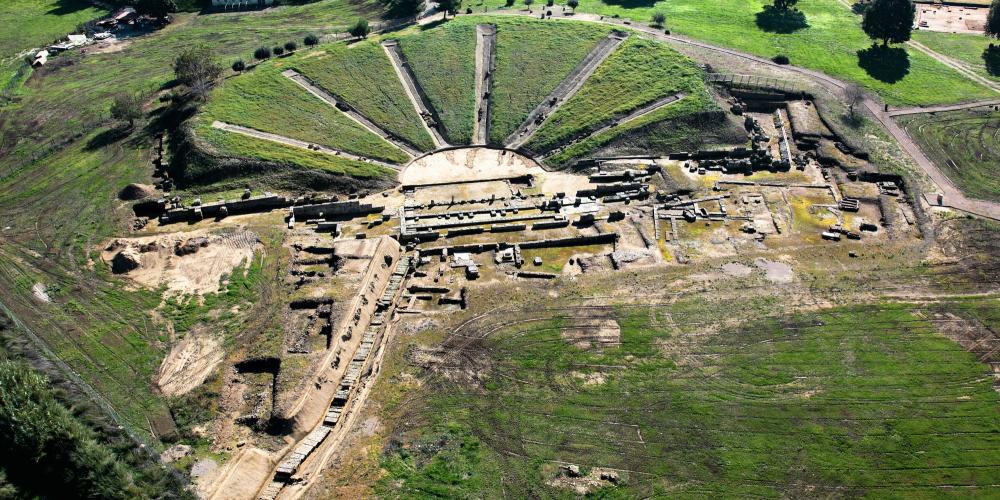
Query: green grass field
(638,73)
(966,48)
(443,59)
(265,100)
(965,145)
(694,122)
(829,42)
(34,23)
(532,57)
(241,146)
(859,402)
(363,76)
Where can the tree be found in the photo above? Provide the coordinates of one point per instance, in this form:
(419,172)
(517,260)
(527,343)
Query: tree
(311,40)
(126,107)
(450,6)
(278,50)
(196,68)
(659,18)
(155,8)
(993,20)
(291,46)
(785,4)
(853,95)
(239,66)
(527,3)
(406,8)
(360,29)
(510,3)
(573,4)
(262,53)
(890,21)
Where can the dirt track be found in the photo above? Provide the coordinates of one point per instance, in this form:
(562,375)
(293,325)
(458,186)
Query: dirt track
(486,35)
(413,90)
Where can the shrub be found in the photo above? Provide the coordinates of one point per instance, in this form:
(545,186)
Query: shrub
(239,66)
(659,18)
(550,3)
(780,59)
(126,108)
(509,3)
(573,4)
(278,50)
(468,10)
(311,40)
(360,29)
(261,53)
(291,46)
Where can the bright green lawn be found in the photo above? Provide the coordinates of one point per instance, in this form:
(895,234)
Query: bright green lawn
(443,59)
(34,23)
(868,401)
(250,147)
(829,44)
(966,48)
(637,73)
(532,57)
(265,100)
(363,76)
(965,145)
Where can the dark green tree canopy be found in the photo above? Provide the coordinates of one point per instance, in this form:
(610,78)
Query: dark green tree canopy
(360,29)
(450,6)
(890,21)
(196,68)
(785,4)
(155,8)
(993,20)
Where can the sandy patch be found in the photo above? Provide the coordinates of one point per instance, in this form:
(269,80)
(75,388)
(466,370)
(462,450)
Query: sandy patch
(370,426)
(775,272)
(465,164)
(594,378)
(40,292)
(155,261)
(592,328)
(189,363)
(737,270)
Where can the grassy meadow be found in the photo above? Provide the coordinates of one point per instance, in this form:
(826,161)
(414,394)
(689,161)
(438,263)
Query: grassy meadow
(964,144)
(867,401)
(363,76)
(965,48)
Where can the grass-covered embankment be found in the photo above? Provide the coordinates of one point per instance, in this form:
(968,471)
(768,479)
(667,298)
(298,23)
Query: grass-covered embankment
(443,59)
(637,73)
(532,58)
(363,76)
(263,99)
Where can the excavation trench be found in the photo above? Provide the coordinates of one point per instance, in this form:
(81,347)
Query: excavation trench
(486,35)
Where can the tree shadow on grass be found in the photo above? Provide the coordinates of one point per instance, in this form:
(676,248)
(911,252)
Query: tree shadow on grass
(885,64)
(108,137)
(775,20)
(991,57)
(631,4)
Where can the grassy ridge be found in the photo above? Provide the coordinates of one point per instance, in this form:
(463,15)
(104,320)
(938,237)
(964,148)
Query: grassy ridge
(861,401)
(363,76)
(970,139)
(690,123)
(443,59)
(237,145)
(265,100)
(639,72)
(532,57)
(829,42)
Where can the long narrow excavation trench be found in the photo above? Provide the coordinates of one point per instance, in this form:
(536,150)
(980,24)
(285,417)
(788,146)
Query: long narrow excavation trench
(348,110)
(288,141)
(639,113)
(566,89)
(430,119)
(486,36)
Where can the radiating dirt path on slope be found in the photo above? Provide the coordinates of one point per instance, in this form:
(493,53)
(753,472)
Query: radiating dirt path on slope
(349,110)
(288,141)
(944,108)
(486,42)
(956,65)
(565,90)
(643,111)
(414,92)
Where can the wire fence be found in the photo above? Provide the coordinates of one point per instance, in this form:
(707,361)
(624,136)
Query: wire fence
(753,82)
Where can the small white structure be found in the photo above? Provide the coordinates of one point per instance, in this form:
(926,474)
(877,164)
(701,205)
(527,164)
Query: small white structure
(41,57)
